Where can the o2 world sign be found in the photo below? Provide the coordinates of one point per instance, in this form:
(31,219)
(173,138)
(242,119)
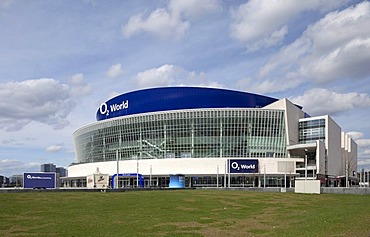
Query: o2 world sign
(104,109)
(243,166)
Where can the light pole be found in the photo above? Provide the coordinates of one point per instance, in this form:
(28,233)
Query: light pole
(117,185)
(305,164)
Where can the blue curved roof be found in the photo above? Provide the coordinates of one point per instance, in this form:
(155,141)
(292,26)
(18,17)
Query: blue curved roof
(176,98)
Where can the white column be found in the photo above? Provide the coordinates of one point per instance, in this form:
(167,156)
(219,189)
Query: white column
(285,175)
(264,176)
(229,181)
(150,177)
(225,177)
(217,176)
(137,173)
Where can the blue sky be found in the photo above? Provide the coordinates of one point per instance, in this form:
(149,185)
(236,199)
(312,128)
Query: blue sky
(61,59)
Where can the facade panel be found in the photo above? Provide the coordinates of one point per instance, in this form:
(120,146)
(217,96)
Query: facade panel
(184,134)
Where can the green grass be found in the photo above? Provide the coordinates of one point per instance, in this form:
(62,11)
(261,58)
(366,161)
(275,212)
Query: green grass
(183,213)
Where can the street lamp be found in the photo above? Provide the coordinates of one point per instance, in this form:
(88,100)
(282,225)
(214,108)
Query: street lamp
(305,164)
(117,182)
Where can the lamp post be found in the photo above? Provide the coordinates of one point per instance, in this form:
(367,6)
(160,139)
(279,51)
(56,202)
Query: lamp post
(117,185)
(305,164)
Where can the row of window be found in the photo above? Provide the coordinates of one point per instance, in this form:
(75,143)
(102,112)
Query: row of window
(311,130)
(251,133)
(312,123)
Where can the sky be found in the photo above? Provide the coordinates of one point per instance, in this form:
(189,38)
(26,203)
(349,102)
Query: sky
(61,59)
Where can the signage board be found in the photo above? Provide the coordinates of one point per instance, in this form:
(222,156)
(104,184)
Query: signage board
(97,181)
(177,181)
(243,166)
(39,180)
(176,98)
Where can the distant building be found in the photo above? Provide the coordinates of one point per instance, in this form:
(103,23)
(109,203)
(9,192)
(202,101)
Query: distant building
(364,178)
(4,181)
(61,171)
(16,180)
(48,167)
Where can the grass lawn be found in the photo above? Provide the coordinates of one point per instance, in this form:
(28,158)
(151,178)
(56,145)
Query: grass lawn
(183,213)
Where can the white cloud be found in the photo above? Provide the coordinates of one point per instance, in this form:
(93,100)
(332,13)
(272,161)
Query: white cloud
(43,100)
(349,61)
(329,50)
(115,71)
(338,28)
(162,76)
(264,23)
(10,167)
(363,153)
(5,3)
(79,87)
(167,75)
(367,153)
(363,142)
(355,135)
(8,141)
(169,22)
(363,163)
(159,23)
(360,139)
(258,85)
(55,148)
(192,8)
(113,94)
(77,79)
(363,149)
(319,101)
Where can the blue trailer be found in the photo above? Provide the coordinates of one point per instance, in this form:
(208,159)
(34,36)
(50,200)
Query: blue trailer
(40,180)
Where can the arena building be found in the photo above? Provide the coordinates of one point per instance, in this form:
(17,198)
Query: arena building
(192,136)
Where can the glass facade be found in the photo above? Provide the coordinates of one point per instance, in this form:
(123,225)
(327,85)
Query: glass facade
(312,130)
(184,134)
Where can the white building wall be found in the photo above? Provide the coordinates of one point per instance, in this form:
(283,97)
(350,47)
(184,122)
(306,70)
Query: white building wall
(292,116)
(186,166)
(353,158)
(320,157)
(333,145)
(344,149)
(349,155)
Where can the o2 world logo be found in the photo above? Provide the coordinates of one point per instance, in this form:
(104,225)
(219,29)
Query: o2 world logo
(236,166)
(243,166)
(104,109)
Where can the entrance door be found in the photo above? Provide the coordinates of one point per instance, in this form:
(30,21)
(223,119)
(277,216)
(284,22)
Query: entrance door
(126,182)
